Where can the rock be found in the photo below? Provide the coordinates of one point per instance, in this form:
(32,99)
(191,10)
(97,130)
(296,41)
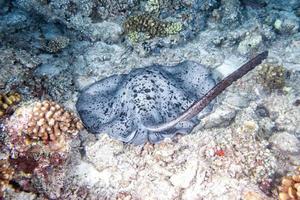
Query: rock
(235,100)
(221,117)
(229,65)
(286,142)
(48,70)
(250,43)
(106,31)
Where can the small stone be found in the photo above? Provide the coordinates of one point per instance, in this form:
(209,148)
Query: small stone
(262,111)
(297,102)
(237,101)
(278,24)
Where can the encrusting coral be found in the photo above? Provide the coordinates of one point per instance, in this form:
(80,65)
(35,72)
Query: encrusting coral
(290,187)
(7,101)
(49,122)
(6,174)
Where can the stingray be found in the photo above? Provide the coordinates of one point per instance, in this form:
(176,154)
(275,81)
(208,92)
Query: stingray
(153,103)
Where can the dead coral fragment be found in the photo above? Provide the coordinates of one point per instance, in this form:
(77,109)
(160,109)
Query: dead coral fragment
(50,122)
(6,174)
(272,76)
(290,187)
(7,101)
(151,26)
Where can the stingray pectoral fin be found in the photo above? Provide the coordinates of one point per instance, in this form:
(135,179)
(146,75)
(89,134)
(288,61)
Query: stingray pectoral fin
(154,137)
(120,130)
(186,126)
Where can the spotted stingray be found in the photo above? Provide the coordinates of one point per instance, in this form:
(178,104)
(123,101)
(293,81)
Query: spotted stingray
(153,103)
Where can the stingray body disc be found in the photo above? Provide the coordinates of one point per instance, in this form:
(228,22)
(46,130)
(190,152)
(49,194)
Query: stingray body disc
(122,105)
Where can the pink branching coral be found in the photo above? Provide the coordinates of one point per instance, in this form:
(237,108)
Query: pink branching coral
(50,122)
(43,123)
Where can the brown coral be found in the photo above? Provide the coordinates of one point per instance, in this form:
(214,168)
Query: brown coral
(290,187)
(150,25)
(50,122)
(6,174)
(56,44)
(7,101)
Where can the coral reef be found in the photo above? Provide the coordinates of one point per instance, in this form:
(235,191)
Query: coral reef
(151,26)
(290,187)
(7,101)
(272,76)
